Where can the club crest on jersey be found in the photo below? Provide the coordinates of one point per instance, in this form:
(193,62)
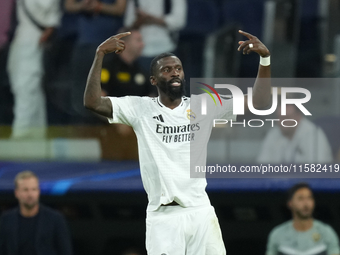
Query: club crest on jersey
(191,115)
(316,237)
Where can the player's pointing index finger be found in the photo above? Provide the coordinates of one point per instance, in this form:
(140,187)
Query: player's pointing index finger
(246,34)
(123,35)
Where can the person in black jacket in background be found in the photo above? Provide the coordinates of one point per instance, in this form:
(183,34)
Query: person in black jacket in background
(31,228)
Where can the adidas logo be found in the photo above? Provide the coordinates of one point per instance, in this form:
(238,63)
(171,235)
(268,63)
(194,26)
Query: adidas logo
(159,118)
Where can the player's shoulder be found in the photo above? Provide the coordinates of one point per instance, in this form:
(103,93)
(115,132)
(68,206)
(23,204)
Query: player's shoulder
(148,102)
(139,98)
(281,229)
(49,211)
(216,98)
(308,127)
(134,99)
(275,131)
(322,226)
(9,214)
(194,99)
(186,99)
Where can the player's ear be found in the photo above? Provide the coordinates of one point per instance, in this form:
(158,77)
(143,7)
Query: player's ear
(289,204)
(153,80)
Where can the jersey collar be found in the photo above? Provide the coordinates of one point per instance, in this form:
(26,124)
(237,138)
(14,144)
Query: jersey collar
(167,108)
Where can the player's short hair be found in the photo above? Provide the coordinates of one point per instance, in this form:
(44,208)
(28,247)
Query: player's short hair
(154,61)
(295,188)
(24,175)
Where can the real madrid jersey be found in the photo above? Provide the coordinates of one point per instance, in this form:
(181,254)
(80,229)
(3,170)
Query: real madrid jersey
(164,136)
(321,239)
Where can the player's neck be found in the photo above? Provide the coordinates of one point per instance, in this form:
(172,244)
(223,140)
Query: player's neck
(302,224)
(168,102)
(29,212)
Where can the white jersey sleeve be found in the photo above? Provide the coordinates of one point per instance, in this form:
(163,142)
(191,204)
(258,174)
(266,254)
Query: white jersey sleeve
(125,110)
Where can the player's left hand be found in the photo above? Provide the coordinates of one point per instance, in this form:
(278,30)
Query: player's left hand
(258,46)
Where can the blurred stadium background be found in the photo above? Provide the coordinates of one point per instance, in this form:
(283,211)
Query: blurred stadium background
(90,171)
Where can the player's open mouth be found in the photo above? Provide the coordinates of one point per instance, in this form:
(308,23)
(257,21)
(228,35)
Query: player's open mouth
(176,84)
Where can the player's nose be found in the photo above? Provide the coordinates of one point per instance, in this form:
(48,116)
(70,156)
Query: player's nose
(175,73)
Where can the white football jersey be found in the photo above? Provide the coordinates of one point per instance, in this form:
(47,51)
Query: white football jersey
(164,139)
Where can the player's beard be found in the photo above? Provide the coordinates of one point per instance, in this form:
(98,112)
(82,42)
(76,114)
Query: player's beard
(30,205)
(173,92)
(304,215)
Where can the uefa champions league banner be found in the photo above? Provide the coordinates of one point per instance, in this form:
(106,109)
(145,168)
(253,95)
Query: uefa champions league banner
(296,136)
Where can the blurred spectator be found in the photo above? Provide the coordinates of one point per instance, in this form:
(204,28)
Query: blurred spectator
(36,22)
(98,20)
(303,234)
(6,10)
(121,73)
(5,24)
(305,143)
(32,228)
(159,22)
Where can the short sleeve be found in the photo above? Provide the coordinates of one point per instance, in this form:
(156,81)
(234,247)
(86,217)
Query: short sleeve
(332,242)
(224,108)
(47,12)
(53,17)
(124,110)
(271,244)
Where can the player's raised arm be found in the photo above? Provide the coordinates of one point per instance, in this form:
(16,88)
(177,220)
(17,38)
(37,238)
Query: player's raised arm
(262,86)
(92,96)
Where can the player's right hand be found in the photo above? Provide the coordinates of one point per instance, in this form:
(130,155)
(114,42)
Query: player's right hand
(113,44)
